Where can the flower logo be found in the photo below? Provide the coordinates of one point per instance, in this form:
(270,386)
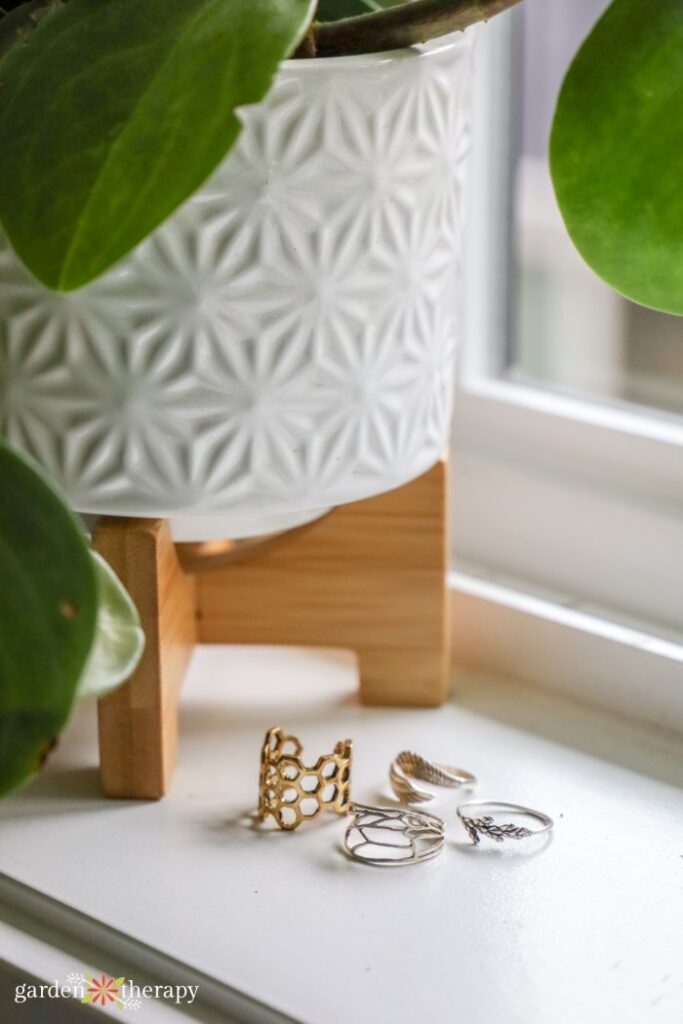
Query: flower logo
(103,990)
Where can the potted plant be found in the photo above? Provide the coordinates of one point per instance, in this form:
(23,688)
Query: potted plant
(229,272)
(277,343)
(230,278)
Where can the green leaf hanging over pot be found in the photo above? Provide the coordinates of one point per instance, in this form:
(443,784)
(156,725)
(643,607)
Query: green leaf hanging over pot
(113,112)
(617,151)
(68,629)
(119,640)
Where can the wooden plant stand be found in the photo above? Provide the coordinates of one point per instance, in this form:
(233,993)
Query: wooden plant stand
(370,576)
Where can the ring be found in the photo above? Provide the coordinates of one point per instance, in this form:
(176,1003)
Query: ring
(411,836)
(407,765)
(485,825)
(292,791)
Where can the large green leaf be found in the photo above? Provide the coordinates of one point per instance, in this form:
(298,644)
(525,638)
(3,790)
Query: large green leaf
(48,607)
(119,640)
(114,111)
(617,151)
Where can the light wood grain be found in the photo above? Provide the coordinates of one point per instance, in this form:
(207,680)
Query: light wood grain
(370,576)
(138,722)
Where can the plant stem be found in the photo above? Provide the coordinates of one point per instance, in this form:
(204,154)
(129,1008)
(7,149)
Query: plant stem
(404,25)
(306,47)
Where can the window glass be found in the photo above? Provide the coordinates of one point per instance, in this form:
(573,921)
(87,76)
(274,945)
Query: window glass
(572,332)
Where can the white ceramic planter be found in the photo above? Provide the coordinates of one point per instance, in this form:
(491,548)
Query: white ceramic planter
(285,341)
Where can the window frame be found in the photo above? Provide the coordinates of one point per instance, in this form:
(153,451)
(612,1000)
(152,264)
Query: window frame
(565,500)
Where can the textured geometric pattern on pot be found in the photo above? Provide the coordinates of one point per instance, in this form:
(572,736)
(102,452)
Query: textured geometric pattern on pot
(285,340)
(293,792)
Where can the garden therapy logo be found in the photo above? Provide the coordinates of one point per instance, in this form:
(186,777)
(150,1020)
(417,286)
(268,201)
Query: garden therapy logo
(106,992)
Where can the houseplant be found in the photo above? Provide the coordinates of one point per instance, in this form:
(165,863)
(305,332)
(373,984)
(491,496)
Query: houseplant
(283,342)
(144,391)
(250,336)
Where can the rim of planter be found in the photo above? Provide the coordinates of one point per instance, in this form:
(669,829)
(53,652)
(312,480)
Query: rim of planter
(447,42)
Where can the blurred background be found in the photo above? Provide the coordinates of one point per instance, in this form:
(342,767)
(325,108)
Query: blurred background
(571,332)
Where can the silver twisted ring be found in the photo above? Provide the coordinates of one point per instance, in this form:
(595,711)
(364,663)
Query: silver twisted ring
(408,765)
(483,824)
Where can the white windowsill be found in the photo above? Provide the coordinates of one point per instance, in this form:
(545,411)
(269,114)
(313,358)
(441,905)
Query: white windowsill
(586,928)
(585,651)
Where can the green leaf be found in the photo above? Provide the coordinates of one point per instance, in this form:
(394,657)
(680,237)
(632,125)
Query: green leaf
(48,605)
(617,151)
(115,111)
(17,23)
(119,640)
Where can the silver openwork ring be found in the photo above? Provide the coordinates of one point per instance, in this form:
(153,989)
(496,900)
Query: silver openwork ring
(393,836)
(483,824)
(408,765)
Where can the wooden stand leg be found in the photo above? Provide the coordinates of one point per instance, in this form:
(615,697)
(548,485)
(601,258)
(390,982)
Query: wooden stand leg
(138,722)
(371,576)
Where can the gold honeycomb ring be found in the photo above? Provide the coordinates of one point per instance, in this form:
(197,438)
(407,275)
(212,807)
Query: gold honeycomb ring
(291,791)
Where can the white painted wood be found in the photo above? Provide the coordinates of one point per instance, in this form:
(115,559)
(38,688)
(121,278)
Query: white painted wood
(614,446)
(586,929)
(581,496)
(43,940)
(588,541)
(570,648)
(38,961)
